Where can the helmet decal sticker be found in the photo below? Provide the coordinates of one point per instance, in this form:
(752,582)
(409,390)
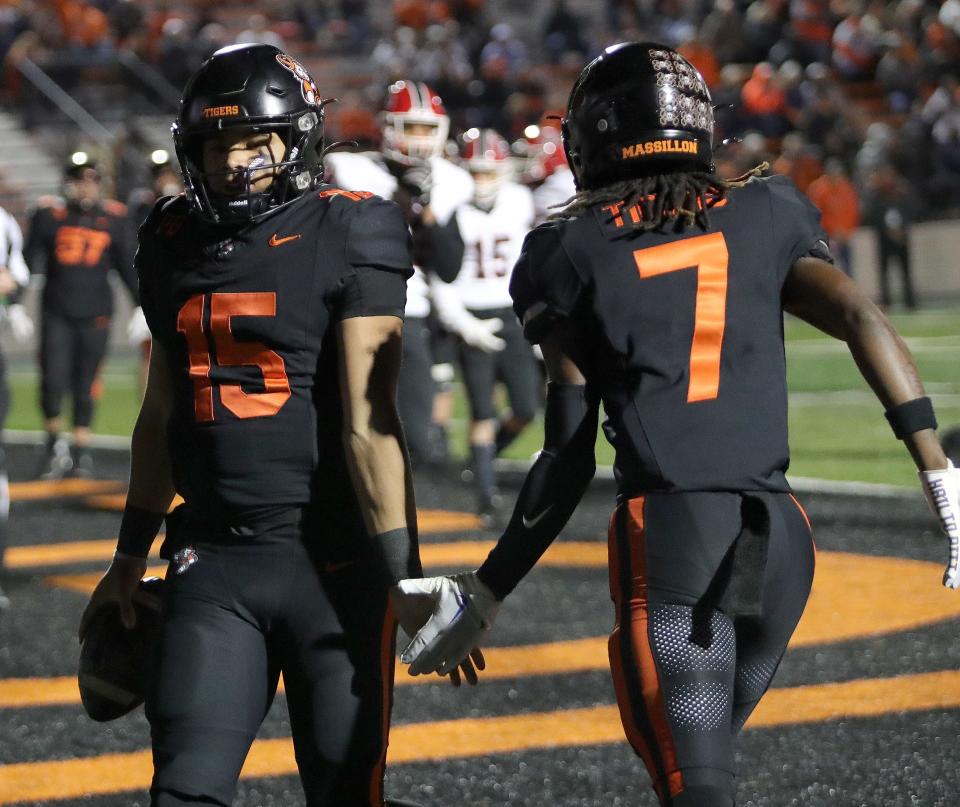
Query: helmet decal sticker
(675,79)
(309,90)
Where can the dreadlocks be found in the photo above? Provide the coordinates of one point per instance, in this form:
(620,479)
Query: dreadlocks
(682,197)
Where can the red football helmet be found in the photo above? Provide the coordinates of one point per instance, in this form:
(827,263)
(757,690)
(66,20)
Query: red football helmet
(538,154)
(415,124)
(486,155)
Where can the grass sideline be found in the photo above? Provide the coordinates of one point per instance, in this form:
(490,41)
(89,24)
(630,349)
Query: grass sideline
(837,428)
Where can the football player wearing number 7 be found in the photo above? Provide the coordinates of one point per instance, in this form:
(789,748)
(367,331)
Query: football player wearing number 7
(275,303)
(660,291)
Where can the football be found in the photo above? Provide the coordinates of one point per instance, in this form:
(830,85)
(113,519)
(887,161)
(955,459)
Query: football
(114,661)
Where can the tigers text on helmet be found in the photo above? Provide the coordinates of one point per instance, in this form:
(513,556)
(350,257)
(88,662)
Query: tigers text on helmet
(411,106)
(250,88)
(486,155)
(636,110)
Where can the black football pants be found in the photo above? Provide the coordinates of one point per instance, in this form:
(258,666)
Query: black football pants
(236,619)
(705,608)
(71,351)
(415,389)
(515,366)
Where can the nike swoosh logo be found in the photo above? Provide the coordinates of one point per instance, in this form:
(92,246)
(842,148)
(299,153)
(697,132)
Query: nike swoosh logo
(530,523)
(276,242)
(329,568)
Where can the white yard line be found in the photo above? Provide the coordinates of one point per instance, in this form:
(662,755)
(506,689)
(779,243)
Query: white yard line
(917,344)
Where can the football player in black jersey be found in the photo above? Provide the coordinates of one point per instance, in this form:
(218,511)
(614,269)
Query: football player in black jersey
(75,242)
(275,304)
(660,291)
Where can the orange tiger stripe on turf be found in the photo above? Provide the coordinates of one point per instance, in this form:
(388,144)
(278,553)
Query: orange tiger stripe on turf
(417,742)
(32,491)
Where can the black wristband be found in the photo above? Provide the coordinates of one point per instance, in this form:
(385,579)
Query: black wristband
(397,555)
(912,416)
(138,528)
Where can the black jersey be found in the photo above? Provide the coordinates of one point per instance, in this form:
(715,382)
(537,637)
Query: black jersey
(76,249)
(245,318)
(685,332)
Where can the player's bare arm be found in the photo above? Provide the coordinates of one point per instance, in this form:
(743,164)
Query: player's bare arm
(816,292)
(467,604)
(371,350)
(149,495)
(377,459)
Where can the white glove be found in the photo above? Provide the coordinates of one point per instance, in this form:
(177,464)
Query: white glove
(481,333)
(463,614)
(21,326)
(138,331)
(942,489)
(418,182)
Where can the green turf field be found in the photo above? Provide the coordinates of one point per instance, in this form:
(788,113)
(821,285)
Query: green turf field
(837,429)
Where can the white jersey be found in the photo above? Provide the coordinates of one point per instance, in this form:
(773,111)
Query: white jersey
(555,190)
(11,248)
(452,187)
(492,242)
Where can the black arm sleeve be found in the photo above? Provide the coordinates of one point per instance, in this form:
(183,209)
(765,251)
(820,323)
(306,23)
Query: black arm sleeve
(552,490)
(440,249)
(38,236)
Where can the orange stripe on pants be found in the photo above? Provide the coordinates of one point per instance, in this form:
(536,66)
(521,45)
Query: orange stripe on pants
(642,680)
(388,641)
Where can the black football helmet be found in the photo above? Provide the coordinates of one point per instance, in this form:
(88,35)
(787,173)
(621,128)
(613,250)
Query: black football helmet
(114,662)
(258,88)
(636,110)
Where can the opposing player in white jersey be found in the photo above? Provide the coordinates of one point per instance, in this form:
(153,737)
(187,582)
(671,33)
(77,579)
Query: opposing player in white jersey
(492,226)
(410,169)
(14,277)
(541,165)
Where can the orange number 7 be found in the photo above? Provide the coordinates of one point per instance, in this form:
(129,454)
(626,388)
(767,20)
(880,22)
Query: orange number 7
(708,255)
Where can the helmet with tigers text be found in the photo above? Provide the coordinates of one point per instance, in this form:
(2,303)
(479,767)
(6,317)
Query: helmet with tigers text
(250,89)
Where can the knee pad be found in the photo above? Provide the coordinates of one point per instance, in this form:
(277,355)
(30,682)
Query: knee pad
(702,796)
(173,798)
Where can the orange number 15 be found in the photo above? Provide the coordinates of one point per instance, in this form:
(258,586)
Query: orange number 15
(707,254)
(230,352)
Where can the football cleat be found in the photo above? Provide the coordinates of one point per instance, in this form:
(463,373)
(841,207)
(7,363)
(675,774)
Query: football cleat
(114,661)
(57,462)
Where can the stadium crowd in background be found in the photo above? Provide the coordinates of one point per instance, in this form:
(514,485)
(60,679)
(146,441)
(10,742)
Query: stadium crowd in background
(867,83)
(857,101)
